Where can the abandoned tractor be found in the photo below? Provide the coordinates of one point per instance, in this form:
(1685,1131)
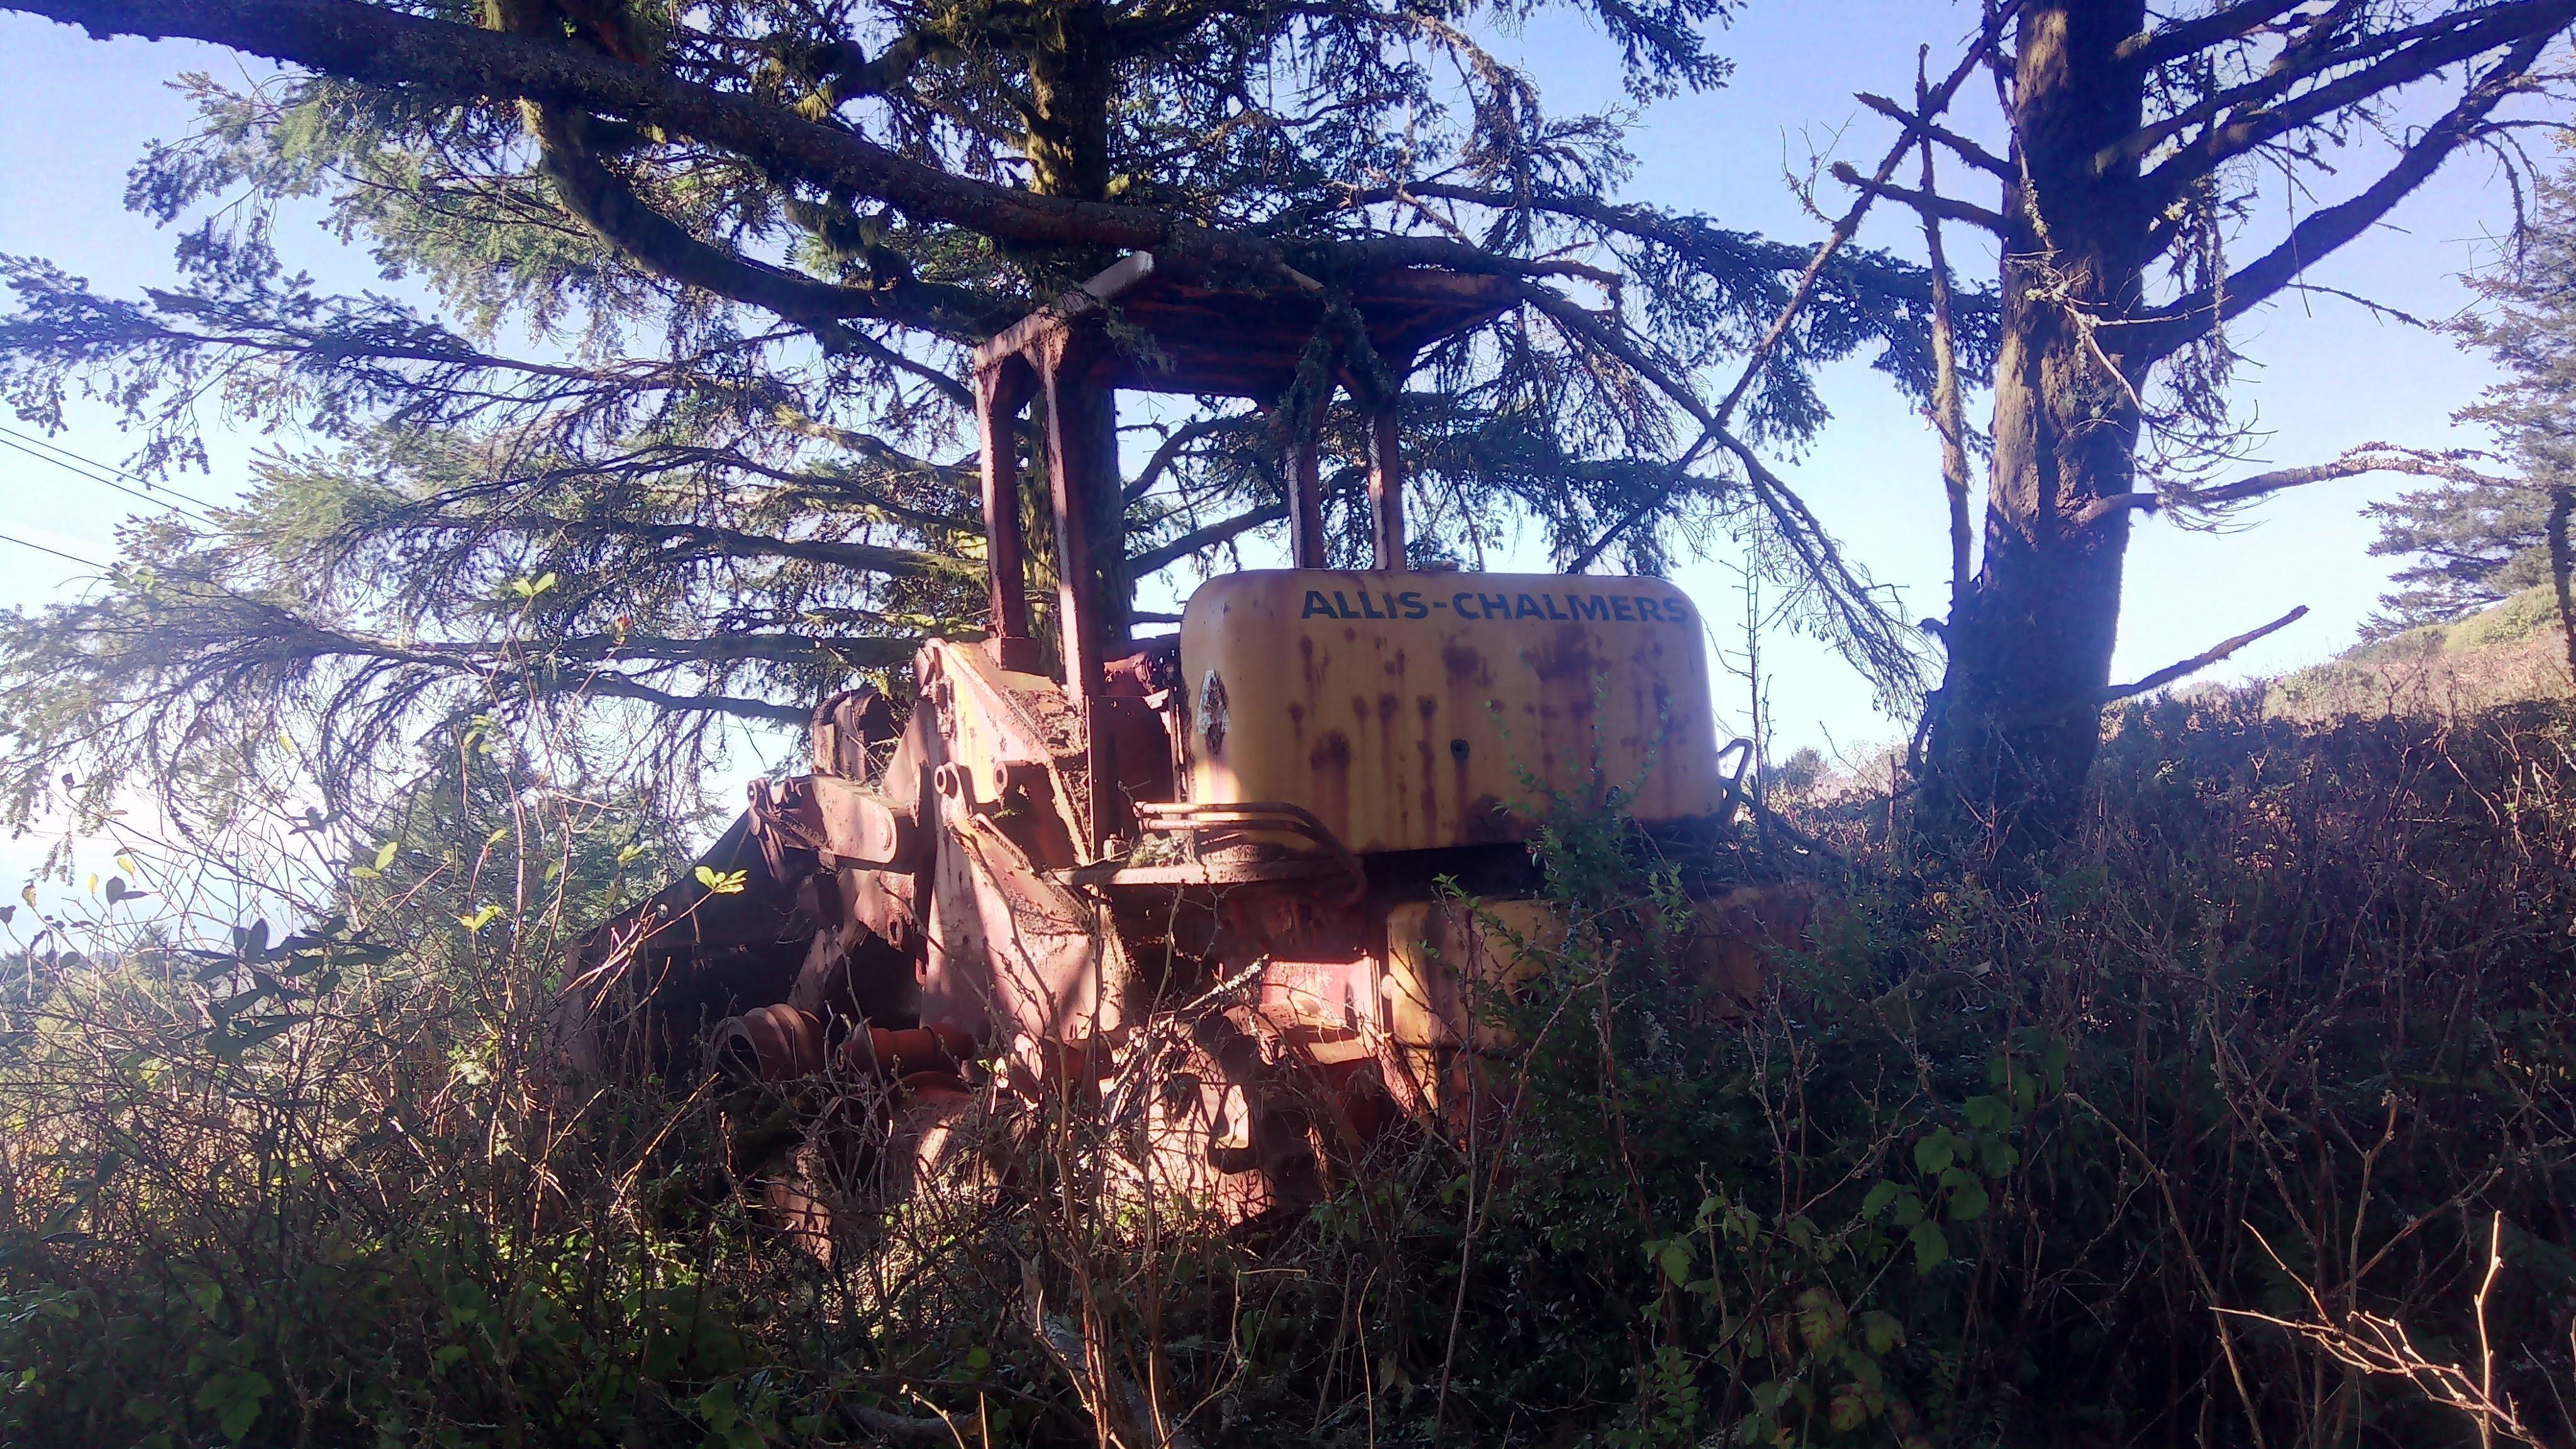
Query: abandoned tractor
(1188,884)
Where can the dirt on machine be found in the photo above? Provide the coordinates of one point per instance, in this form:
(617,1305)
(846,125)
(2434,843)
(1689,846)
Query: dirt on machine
(1238,888)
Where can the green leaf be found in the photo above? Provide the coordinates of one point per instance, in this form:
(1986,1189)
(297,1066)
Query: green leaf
(234,1399)
(1931,1249)
(1880,1330)
(1820,1318)
(1935,1152)
(1968,1202)
(386,852)
(477,921)
(1676,1259)
(723,883)
(1878,1198)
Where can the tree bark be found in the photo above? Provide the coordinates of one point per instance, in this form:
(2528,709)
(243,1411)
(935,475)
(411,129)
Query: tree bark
(1072,81)
(2015,725)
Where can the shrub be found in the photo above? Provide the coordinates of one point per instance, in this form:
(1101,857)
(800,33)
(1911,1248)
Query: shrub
(2137,1153)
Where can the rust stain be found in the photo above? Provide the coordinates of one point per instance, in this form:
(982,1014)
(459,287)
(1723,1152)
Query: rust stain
(1390,775)
(1486,821)
(1465,665)
(1330,762)
(1430,709)
(1460,779)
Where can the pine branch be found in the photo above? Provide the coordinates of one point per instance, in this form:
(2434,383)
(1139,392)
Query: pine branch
(379,46)
(611,208)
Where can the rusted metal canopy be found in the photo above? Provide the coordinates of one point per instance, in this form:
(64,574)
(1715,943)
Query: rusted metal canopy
(1207,339)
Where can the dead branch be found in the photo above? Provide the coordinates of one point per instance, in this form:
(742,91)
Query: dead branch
(1124,1413)
(2371,1344)
(909,1431)
(1932,104)
(1919,125)
(2448,464)
(1947,208)
(2157,334)
(2172,42)
(2202,660)
(1949,418)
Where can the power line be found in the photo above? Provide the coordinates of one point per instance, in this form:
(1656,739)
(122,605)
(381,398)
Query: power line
(58,553)
(104,480)
(163,498)
(129,475)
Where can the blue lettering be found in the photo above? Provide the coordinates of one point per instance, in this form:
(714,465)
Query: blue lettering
(1623,607)
(1491,602)
(1550,601)
(1589,607)
(1317,604)
(1413,605)
(1459,602)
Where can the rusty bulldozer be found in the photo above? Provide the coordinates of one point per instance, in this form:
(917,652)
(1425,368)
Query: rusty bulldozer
(1194,884)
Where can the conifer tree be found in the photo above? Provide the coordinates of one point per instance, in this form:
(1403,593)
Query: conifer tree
(2473,539)
(679,439)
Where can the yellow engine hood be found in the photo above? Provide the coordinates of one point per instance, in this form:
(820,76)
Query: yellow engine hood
(1413,710)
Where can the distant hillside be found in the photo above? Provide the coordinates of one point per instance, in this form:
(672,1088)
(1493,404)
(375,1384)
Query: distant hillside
(2507,654)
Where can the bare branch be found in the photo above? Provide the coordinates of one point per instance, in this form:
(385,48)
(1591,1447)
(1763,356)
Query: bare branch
(1209,535)
(2368,458)
(1933,104)
(1958,145)
(1168,452)
(2519,22)
(2202,660)
(1949,417)
(2161,332)
(1926,202)
(2172,42)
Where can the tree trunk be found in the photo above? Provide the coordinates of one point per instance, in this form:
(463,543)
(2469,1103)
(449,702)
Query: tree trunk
(1071,83)
(2016,723)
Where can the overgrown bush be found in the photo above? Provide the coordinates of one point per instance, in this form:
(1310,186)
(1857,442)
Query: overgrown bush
(2159,1149)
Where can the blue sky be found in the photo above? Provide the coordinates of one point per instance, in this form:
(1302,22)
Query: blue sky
(75,114)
